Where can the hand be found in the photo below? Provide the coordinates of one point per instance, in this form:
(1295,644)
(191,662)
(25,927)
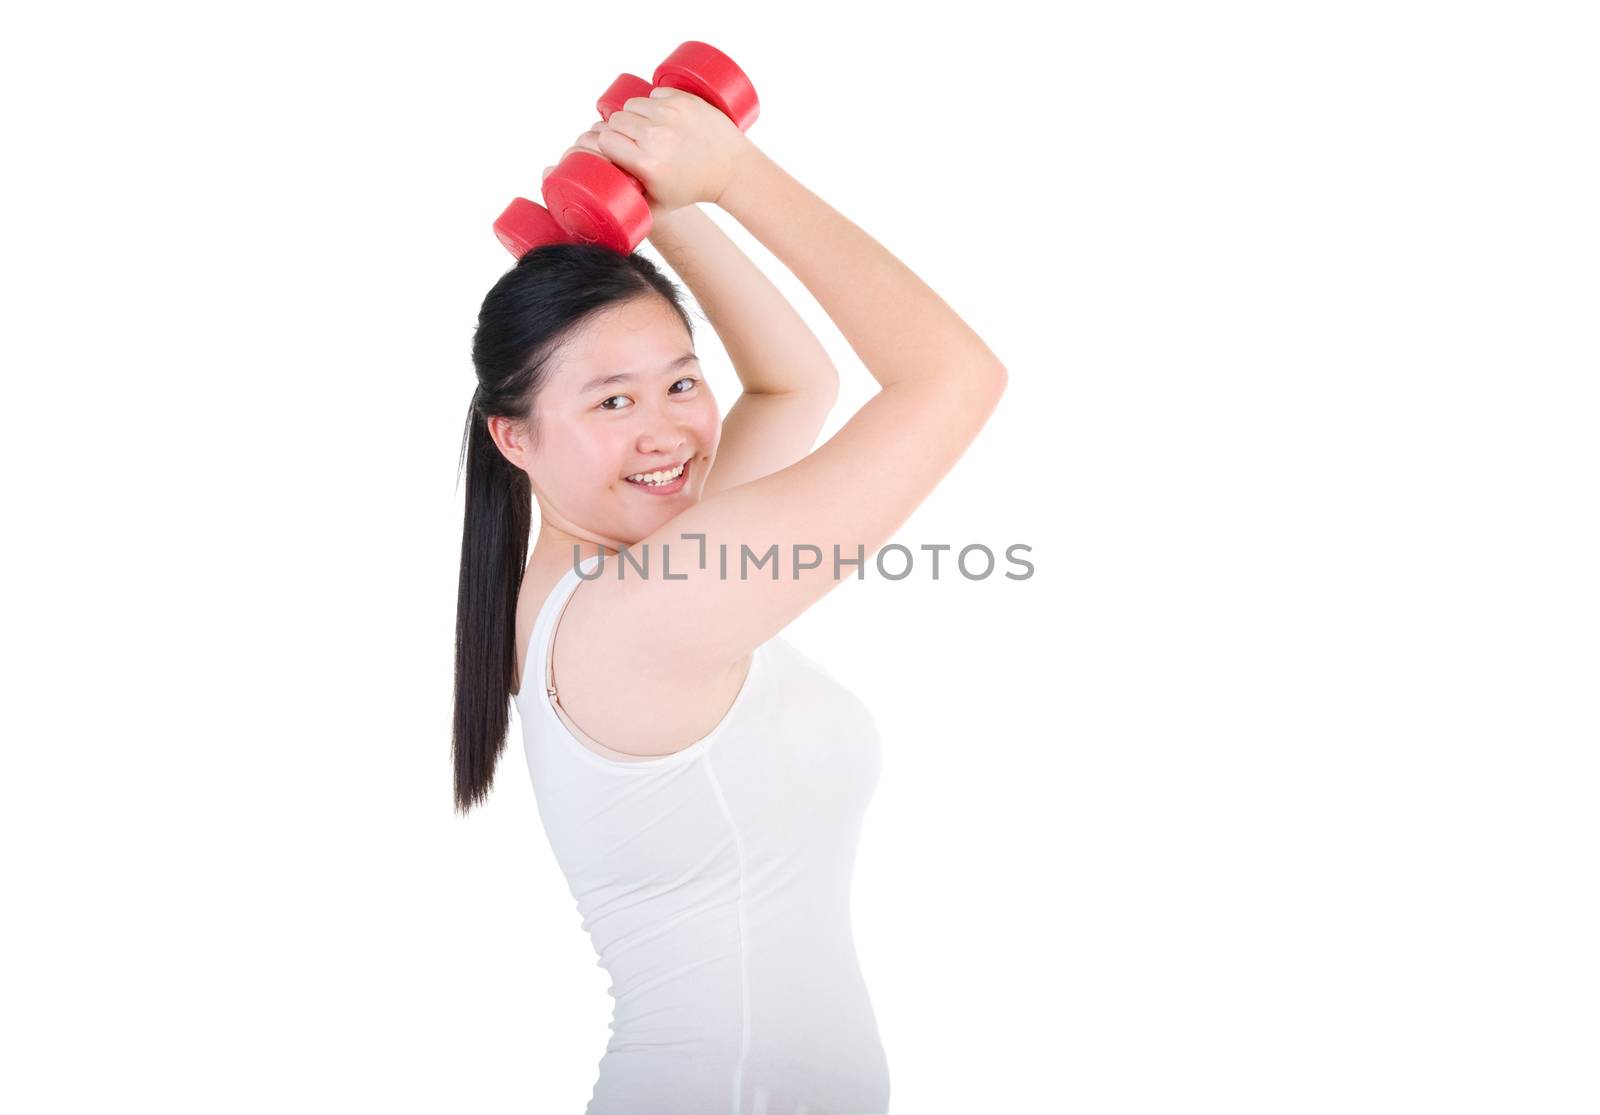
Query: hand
(677,145)
(590,141)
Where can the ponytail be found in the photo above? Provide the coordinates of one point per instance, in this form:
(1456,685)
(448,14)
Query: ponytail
(494,552)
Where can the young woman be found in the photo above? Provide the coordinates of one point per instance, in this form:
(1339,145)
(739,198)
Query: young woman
(701,781)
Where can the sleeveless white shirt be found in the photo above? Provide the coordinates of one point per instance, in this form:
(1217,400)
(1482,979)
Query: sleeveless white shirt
(714,883)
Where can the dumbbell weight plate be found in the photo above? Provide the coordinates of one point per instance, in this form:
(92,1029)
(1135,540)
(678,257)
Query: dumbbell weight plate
(525,225)
(709,74)
(626,85)
(596,202)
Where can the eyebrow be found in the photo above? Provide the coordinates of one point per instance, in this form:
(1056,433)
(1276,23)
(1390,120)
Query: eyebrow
(626,377)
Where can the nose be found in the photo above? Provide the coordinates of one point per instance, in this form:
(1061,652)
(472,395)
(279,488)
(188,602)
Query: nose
(662,437)
(668,450)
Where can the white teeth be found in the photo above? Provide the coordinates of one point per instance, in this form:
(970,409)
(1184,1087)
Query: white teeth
(658,477)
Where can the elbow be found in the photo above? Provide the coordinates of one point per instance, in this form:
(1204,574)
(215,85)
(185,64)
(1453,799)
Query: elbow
(977,390)
(990,382)
(829,388)
(987,374)
(826,391)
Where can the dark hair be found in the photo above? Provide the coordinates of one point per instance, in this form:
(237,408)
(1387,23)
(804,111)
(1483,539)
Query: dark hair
(536,306)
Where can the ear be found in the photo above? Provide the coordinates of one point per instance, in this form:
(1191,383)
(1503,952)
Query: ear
(507,438)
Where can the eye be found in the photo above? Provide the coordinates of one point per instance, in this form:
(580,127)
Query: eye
(691,380)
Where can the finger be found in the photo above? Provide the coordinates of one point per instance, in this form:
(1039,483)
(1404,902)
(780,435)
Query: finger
(642,106)
(661,92)
(626,123)
(615,145)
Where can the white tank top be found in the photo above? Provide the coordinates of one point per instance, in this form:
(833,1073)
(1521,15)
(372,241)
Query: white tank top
(714,883)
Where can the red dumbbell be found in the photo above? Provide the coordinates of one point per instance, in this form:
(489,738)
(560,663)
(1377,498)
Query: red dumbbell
(593,201)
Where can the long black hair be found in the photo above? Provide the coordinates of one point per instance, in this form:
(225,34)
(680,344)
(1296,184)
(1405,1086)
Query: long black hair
(526,316)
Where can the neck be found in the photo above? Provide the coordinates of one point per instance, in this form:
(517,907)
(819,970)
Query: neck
(568,549)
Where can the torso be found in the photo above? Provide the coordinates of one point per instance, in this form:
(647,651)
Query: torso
(651,722)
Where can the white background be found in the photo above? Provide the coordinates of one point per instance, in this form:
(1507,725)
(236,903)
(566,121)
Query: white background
(1273,790)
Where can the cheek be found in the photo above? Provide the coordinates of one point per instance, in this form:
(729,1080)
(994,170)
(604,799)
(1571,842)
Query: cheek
(708,430)
(580,460)
(599,449)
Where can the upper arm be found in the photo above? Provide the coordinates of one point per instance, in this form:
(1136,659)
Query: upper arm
(765,432)
(848,497)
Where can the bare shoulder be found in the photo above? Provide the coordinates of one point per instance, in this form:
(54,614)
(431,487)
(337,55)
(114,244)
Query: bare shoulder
(632,713)
(534,591)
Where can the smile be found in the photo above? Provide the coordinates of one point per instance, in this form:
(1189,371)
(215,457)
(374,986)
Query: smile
(665,478)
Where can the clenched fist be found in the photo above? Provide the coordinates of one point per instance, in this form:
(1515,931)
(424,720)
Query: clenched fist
(676,144)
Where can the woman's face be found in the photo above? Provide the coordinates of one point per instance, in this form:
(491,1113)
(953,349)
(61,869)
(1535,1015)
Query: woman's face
(653,413)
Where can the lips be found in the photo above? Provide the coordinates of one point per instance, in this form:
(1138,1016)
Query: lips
(668,488)
(660,468)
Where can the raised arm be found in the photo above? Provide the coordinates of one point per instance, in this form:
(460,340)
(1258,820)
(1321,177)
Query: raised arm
(772,349)
(790,384)
(940,385)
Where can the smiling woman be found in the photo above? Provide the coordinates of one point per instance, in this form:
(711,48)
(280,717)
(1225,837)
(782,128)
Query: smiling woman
(707,824)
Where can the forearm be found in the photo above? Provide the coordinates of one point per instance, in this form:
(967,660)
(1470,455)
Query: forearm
(894,321)
(771,347)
